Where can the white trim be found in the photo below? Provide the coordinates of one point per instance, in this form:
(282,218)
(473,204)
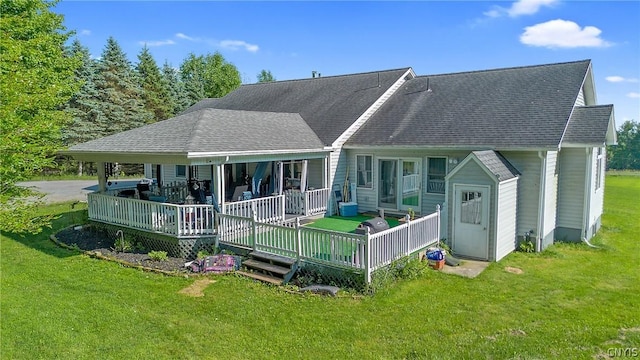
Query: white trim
(362,119)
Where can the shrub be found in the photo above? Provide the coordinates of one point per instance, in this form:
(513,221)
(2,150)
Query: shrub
(158,255)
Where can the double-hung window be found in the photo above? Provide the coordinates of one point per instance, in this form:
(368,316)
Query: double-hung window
(364,167)
(436,171)
(181,171)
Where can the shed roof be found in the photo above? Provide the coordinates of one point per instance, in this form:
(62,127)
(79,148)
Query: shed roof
(497,164)
(522,107)
(212,131)
(330,105)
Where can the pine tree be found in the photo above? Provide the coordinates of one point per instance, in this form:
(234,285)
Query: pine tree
(155,88)
(120,95)
(177,92)
(84,107)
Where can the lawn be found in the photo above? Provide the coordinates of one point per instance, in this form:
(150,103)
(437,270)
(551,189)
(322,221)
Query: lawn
(570,302)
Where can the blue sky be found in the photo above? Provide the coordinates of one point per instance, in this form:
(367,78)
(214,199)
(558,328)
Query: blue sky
(291,39)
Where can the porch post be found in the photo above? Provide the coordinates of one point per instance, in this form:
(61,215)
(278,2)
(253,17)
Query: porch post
(219,186)
(102,177)
(280,178)
(303,176)
(325,181)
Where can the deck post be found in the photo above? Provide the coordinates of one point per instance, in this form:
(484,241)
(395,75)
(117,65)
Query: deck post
(299,238)
(408,219)
(438,223)
(367,260)
(254,228)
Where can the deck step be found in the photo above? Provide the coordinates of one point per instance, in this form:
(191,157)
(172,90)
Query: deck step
(261,277)
(263,266)
(273,259)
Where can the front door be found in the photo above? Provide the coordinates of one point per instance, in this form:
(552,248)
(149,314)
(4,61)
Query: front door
(410,185)
(471,224)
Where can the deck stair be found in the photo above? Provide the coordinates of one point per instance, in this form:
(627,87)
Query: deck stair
(274,269)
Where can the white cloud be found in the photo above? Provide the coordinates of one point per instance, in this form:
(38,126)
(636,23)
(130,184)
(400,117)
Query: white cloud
(85,32)
(157,43)
(183,36)
(237,44)
(562,34)
(616,79)
(519,8)
(528,7)
(634,95)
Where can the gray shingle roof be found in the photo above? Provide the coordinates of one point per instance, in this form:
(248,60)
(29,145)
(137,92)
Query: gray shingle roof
(523,107)
(328,104)
(212,130)
(588,125)
(497,164)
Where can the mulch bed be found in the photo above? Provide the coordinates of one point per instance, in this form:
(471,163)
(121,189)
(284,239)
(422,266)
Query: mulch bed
(98,244)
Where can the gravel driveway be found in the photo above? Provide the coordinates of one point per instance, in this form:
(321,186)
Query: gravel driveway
(71,190)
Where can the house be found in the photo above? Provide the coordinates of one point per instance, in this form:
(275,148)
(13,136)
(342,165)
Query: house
(509,154)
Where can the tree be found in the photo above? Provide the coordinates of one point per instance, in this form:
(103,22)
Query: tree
(626,155)
(119,92)
(155,88)
(83,106)
(265,76)
(208,76)
(36,80)
(177,92)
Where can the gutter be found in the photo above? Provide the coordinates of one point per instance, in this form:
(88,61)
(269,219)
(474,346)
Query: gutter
(587,192)
(541,198)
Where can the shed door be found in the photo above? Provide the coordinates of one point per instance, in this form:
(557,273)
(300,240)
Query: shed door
(470,227)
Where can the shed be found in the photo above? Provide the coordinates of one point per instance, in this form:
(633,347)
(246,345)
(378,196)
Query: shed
(482,193)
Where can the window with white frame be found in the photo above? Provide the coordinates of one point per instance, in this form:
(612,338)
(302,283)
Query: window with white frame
(599,168)
(436,171)
(364,166)
(181,170)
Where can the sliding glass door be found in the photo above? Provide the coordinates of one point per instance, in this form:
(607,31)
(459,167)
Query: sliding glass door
(387,183)
(399,184)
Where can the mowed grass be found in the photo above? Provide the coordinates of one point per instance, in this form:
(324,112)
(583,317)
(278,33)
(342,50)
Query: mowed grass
(570,302)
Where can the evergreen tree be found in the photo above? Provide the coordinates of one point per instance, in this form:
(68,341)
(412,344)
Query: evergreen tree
(84,107)
(119,93)
(155,88)
(208,76)
(265,76)
(36,80)
(179,98)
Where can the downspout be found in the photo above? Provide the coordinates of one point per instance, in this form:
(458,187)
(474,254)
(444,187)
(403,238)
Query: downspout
(587,193)
(541,198)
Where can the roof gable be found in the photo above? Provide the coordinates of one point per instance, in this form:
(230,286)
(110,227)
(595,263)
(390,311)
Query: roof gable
(590,126)
(329,105)
(492,162)
(524,107)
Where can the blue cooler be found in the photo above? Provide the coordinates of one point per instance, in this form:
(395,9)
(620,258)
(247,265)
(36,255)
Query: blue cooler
(348,209)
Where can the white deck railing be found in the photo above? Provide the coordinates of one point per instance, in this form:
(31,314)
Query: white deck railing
(367,252)
(171,219)
(310,202)
(268,209)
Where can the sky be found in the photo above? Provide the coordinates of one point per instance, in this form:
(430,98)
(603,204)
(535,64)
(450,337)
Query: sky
(293,38)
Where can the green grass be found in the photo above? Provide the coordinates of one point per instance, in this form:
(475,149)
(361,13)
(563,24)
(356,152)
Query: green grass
(571,302)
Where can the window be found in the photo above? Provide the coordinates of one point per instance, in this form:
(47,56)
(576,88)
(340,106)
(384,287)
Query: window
(436,171)
(599,168)
(364,164)
(471,207)
(181,170)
